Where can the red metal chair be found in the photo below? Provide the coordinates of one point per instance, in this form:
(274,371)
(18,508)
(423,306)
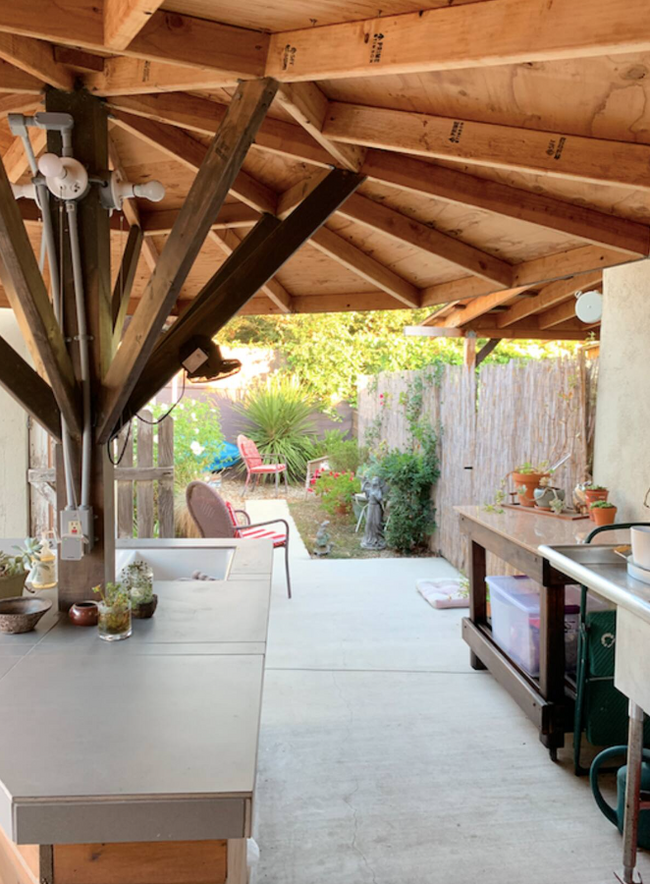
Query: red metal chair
(215,517)
(255,465)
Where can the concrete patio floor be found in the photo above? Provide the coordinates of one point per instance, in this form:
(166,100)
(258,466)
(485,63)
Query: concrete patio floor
(386,759)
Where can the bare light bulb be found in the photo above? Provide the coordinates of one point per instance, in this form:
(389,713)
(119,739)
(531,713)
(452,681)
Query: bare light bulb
(51,166)
(153,191)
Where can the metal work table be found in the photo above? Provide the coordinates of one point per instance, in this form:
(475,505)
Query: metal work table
(605,573)
(515,537)
(145,740)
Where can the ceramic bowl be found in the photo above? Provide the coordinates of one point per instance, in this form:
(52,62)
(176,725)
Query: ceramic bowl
(21,614)
(640,537)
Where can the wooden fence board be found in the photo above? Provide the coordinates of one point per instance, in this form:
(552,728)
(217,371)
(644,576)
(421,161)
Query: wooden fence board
(144,490)
(125,522)
(166,485)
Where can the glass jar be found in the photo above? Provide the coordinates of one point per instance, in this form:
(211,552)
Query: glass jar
(137,579)
(114,621)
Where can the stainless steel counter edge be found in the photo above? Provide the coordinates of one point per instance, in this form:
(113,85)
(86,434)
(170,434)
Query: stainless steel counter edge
(613,592)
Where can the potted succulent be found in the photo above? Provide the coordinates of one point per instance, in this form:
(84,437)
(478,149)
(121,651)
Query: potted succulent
(603,512)
(547,497)
(114,607)
(527,478)
(12,576)
(593,493)
(137,579)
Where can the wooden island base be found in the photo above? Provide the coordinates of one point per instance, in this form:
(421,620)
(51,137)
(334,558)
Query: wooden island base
(142,862)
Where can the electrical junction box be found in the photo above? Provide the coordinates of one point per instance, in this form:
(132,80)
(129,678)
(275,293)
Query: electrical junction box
(77,533)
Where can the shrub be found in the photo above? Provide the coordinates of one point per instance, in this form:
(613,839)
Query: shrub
(279,417)
(335,489)
(197,438)
(344,455)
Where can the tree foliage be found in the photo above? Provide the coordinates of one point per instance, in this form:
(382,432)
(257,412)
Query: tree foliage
(328,351)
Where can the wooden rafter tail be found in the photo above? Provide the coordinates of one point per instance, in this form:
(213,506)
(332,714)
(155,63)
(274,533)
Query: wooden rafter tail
(35,395)
(125,280)
(214,179)
(28,297)
(264,251)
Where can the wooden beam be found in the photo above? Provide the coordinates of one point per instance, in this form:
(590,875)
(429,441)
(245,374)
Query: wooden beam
(123,19)
(503,147)
(229,242)
(407,173)
(529,273)
(485,350)
(469,352)
(550,295)
(477,307)
(558,315)
(499,32)
(15,159)
(130,207)
(368,268)
(269,245)
(25,289)
(215,177)
(309,107)
(18,103)
(231,215)
(291,198)
(137,76)
(35,395)
(78,59)
(14,80)
(450,185)
(408,230)
(36,58)
(189,152)
(124,281)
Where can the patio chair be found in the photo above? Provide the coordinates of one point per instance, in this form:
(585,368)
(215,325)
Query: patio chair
(215,517)
(255,466)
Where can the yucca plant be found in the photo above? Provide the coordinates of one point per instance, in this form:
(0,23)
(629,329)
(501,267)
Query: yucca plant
(279,418)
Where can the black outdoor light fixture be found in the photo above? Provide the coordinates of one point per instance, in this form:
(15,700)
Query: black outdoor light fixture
(202,360)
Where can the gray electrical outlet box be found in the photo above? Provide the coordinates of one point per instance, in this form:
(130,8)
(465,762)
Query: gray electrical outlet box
(77,533)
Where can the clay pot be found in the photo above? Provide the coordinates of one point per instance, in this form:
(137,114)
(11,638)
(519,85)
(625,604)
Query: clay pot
(342,509)
(545,496)
(529,481)
(604,515)
(591,496)
(84,614)
(145,610)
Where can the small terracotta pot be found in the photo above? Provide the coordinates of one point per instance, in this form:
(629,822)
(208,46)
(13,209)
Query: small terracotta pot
(604,515)
(342,509)
(84,614)
(146,610)
(591,496)
(529,481)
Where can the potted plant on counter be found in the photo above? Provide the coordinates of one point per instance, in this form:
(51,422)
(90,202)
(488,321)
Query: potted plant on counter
(12,576)
(592,494)
(603,512)
(137,579)
(114,612)
(527,478)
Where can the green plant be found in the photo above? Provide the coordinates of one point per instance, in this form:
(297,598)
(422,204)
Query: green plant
(594,487)
(344,455)
(114,608)
(197,438)
(29,553)
(115,595)
(602,505)
(137,579)
(558,505)
(527,468)
(10,566)
(336,490)
(279,417)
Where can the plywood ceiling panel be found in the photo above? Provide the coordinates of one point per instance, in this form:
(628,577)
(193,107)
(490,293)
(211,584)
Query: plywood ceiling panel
(310,272)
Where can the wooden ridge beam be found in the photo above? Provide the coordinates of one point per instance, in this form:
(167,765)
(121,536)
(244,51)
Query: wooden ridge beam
(214,179)
(503,147)
(25,289)
(407,173)
(36,58)
(125,280)
(368,268)
(585,259)
(309,107)
(186,150)
(463,315)
(461,188)
(35,395)
(229,242)
(264,251)
(550,295)
(498,32)
(408,230)
(123,19)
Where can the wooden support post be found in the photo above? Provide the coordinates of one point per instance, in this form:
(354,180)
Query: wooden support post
(485,350)
(35,395)
(90,146)
(469,351)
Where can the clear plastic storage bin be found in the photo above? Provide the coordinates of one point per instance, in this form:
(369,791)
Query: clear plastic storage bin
(514,603)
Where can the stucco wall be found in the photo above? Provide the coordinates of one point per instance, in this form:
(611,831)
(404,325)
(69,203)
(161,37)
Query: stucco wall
(14,513)
(622,441)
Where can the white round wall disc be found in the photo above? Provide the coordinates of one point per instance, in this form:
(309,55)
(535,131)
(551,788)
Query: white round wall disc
(589,307)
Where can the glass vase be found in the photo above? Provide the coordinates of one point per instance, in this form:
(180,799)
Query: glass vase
(137,578)
(114,622)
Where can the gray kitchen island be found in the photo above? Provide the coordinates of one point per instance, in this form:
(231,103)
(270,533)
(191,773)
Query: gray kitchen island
(135,761)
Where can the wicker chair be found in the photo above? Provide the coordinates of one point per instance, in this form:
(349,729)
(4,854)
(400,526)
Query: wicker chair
(255,465)
(215,517)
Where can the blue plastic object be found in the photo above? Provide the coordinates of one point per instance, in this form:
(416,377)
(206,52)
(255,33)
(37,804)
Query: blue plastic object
(227,456)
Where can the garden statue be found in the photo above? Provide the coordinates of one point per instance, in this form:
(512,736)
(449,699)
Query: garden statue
(373,537)
(323,545)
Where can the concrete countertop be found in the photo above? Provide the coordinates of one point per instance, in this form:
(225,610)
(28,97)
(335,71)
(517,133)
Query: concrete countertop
(152,738)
